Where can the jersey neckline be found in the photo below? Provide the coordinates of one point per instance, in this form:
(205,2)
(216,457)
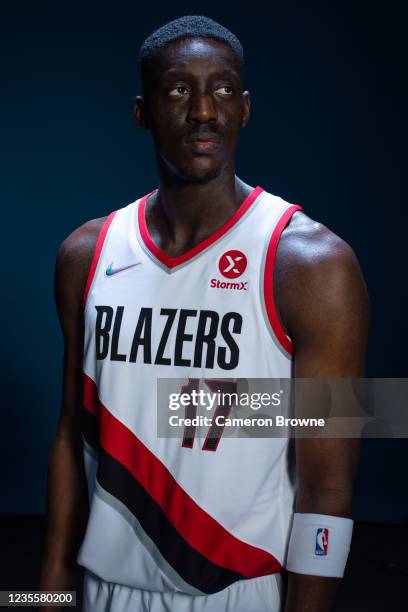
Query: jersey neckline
(172,262)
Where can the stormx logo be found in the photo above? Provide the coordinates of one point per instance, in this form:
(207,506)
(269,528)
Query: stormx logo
(322,541)
(238,286)
(231,264)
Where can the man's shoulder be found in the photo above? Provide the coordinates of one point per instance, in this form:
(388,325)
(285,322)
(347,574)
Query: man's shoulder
(75,255)
(321,299)
(316,272)
(81,242)
(308,246)
(76,251)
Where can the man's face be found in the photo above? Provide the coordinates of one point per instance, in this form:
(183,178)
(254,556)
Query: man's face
(195,107)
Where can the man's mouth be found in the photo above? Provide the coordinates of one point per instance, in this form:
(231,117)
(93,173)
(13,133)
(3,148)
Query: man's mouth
(203,144)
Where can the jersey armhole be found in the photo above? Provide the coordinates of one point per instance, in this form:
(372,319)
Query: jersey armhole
(97,253)
(268,284)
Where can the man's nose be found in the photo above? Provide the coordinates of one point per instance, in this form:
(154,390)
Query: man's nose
(202,108)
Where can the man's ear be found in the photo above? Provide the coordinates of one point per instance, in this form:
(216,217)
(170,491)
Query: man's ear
(247,107)
(140,113)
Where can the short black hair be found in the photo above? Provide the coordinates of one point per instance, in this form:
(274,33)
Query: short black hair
(189,26)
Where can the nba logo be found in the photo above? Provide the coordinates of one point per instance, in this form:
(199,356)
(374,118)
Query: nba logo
(322,541)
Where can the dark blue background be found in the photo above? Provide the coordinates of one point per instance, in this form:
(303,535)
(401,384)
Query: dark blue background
(326,131)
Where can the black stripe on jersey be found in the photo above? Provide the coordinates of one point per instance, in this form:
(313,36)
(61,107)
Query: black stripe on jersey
(90,429)
(191,565)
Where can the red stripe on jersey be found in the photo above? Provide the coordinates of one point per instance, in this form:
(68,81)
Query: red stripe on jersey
(97,254)
(172,262)
(268,279)
(90,398)
(197,527)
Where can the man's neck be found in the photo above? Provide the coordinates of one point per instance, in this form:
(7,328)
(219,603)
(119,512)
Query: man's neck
(181,215)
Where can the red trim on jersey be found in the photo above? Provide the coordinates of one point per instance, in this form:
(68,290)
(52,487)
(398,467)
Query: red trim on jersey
(90,398)
(268,279)
(172,262)
(97,253)
(198,528)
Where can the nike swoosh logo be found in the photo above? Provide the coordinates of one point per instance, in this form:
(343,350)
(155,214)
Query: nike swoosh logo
(110,271)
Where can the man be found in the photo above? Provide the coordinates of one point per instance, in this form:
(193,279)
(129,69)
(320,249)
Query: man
(204,277)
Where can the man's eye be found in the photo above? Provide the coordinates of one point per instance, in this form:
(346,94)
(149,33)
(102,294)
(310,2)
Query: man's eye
(225,90)
(178,91)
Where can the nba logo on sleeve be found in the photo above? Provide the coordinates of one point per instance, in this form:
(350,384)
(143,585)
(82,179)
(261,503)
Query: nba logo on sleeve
(322,541)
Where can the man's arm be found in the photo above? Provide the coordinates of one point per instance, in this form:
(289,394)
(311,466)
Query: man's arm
(67,496)
(324,307)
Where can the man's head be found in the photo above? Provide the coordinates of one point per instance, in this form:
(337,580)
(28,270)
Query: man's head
(192,71)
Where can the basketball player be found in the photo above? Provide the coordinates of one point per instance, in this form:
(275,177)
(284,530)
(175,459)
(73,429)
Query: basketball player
(206,277)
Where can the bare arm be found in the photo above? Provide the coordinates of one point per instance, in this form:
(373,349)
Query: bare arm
(67,496)
(324,308)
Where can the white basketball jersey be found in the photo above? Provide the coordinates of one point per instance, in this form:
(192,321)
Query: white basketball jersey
(166,514)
